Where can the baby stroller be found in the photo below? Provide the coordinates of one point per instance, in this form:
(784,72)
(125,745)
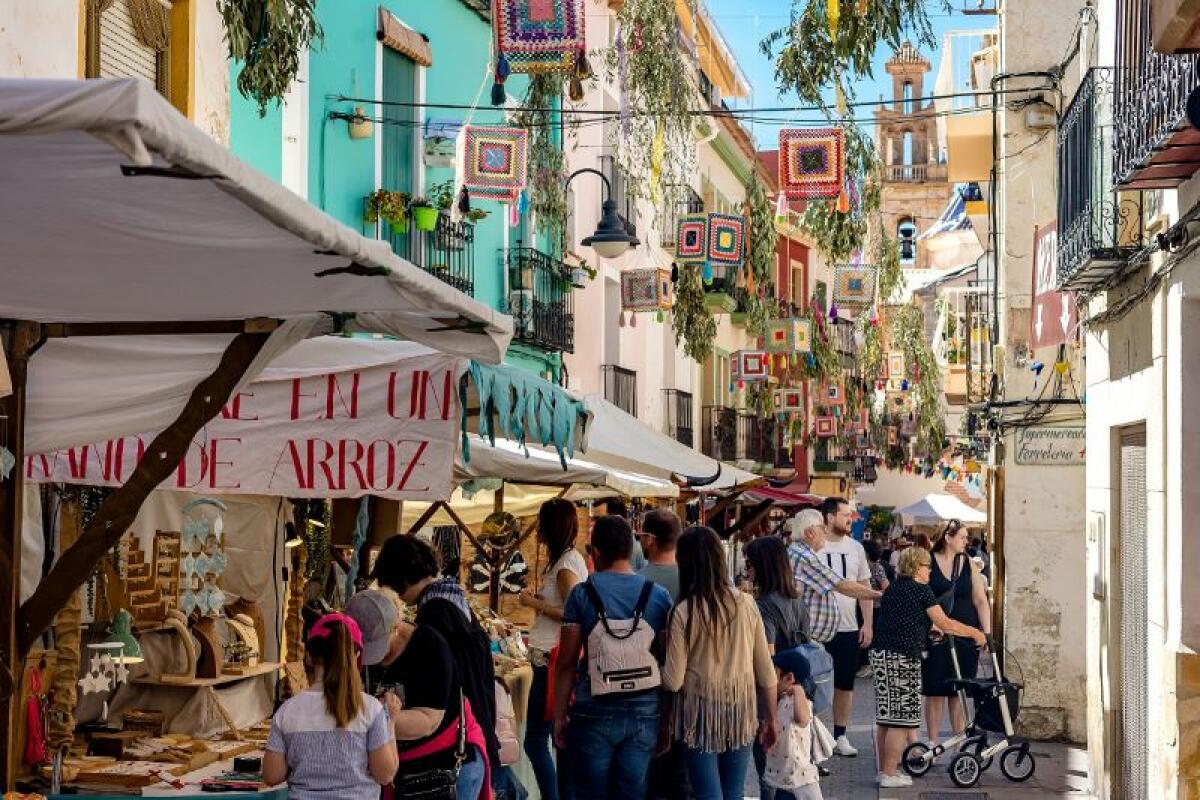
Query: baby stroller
(995,703)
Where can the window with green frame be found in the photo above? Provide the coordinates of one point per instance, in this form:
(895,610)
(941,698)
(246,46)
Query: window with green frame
(399,140)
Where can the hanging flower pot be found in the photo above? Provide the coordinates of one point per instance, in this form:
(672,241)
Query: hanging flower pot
(425,217)
(579,277)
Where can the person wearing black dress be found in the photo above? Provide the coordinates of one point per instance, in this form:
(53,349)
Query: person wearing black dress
(960,589)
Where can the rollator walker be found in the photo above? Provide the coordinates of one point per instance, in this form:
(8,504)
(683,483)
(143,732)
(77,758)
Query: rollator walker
(995,703)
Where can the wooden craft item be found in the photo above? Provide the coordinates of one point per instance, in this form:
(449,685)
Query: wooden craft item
(211,650)
(167,555)
(243,630)
(146,720)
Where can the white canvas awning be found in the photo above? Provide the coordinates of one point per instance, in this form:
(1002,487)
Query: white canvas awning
(508,461)
(935,508)
(115,208)
(616,439)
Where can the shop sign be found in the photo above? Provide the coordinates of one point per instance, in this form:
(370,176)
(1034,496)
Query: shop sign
(1051,445)
(387,431)
(1053,317)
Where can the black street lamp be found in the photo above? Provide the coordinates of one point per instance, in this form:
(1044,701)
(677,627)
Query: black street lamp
(614,235)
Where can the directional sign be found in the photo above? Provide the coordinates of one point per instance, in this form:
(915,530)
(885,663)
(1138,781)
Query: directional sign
(1053,317)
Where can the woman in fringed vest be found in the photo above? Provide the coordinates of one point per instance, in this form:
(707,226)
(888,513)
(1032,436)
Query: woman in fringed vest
(717,663)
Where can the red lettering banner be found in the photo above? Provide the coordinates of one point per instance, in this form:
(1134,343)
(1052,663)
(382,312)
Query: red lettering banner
(388,431)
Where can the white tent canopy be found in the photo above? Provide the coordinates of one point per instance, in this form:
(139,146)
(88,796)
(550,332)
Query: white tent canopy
(115,208)
(617,439)
(935,508)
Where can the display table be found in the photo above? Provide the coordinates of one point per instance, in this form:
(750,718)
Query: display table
(192,788)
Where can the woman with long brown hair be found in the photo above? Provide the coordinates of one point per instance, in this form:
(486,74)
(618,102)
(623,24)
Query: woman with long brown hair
(558,527)
(717,655)
(960,589)
(332,740)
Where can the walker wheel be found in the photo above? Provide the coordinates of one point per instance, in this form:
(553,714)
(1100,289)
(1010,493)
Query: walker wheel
(917,759)
(965,770)
(1017,763)
(977,746)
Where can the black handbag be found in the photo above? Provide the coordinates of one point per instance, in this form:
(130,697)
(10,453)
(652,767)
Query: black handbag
(437,784)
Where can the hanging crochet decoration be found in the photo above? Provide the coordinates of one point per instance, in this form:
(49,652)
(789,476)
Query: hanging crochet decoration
(825,427)
(789,335)
(691,239)
(854,288)
(539,36)
(495,162)
(751,365)
(726,239)
(646,290)
(833,395)
(787,400)
(895,365)
(812,162)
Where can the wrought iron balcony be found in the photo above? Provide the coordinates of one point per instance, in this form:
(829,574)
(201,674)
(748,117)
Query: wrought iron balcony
(1154,146)
(719,435)
(830,455)
(447,251)
(1099,228)
(678,201)
(678,412)
(541,300)
(620,387)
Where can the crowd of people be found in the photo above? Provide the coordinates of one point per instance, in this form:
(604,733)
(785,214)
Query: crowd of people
(667,677)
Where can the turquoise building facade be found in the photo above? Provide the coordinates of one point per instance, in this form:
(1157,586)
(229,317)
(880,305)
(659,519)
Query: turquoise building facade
(336,164)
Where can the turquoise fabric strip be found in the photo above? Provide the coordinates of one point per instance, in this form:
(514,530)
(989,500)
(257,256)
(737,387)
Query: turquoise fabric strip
(523,407)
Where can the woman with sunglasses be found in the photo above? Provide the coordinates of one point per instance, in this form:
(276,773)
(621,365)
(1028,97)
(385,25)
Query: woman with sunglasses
(958,585)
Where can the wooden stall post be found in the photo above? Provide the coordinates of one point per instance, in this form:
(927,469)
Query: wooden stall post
(24,338)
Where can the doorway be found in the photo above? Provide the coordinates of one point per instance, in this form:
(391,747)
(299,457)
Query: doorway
(1127,755)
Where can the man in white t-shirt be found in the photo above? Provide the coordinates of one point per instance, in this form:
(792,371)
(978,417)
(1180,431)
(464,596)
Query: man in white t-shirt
(845,556)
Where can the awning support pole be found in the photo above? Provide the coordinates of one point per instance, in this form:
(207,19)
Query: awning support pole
(24,338)
(119,510)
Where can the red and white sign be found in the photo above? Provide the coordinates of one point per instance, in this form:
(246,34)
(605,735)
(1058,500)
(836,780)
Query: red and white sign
(386,430)
(1053,317)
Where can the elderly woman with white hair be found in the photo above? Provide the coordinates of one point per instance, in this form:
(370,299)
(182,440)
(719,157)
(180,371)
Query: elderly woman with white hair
(817,582)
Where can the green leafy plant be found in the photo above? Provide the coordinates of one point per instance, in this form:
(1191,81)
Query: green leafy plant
(476,214)
(441,195)
(546,168)
(386,204)
(908,335)
(694,326)
(761,238)
(420,201)
(809,58)
(653,142)
(268,36)
(887,258)
(839,235)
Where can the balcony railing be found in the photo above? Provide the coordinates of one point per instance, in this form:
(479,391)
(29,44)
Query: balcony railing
(979,347)
(914,173)
(447,251)
(678,412)
(843,342)
(1098,227)
(719,434)
(620,387)
(1154,146)
(679,200)
(830,455)
(541,300)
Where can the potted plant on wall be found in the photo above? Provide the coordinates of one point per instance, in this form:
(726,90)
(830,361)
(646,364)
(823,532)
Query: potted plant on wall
(424,213)
(581,271)
(390,206)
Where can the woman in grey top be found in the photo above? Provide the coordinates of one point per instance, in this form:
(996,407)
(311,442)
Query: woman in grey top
(784,612)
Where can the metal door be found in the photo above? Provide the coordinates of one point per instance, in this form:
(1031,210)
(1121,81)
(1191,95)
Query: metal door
(1130,773)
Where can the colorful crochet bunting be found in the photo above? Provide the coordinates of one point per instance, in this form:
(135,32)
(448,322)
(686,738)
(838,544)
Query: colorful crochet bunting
(751,365)
(646,290)
(691,239)
(495,162)
(726,239)
(854,287)
(538,35)
(812,162)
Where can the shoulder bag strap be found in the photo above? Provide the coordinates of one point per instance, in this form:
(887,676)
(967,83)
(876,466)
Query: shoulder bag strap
(460,753)
(594,597)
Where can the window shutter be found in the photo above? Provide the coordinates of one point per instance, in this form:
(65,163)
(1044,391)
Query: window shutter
(121,53)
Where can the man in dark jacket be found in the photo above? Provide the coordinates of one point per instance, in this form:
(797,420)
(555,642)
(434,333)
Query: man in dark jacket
(410,567)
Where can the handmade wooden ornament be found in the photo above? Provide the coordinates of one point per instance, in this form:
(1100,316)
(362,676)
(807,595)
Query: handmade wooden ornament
(202,557)
(691,239)
(825,427)
(726,239)
(854,287)
(646,290)
(495,162)
(811,162)
(539,36)
(751,365)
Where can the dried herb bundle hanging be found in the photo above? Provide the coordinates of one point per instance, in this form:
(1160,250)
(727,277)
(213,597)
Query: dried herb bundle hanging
(268,36)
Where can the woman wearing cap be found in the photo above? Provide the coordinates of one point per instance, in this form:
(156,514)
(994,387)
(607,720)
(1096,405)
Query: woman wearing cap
(906,613)
(331,740)
(412,669)
(558,525)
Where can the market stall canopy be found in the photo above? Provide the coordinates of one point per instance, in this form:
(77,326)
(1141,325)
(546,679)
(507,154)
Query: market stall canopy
(782,497)
(936,508)
(508,461)
(617,439)
(115,208)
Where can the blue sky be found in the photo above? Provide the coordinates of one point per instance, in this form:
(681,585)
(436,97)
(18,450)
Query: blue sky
(744,23)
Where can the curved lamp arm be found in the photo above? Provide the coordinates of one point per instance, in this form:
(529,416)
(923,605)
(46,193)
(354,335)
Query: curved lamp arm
(602,176)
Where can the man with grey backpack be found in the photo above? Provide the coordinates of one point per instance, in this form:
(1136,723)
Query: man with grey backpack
(615,619)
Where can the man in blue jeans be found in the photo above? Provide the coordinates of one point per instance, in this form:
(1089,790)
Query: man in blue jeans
(610,737)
